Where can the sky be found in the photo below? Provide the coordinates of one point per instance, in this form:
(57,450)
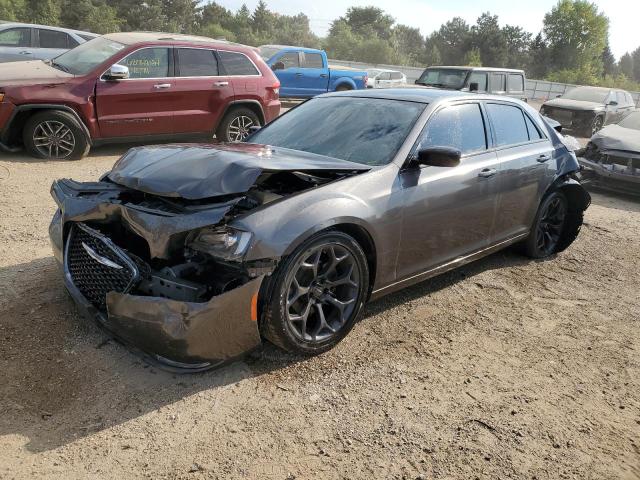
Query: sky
(428,15)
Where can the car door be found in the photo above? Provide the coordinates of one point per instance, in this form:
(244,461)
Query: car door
(16,44)
(204,91)
(51,43)
(396,79)
(290,73)
(142,104)
(449,211)
(383,80)
(526,168)
(315,76)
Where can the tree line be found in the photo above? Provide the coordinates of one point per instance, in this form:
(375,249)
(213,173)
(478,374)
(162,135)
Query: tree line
(572,46)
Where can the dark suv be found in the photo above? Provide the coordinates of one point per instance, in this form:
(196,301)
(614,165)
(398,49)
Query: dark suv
(497,81)
(134,87)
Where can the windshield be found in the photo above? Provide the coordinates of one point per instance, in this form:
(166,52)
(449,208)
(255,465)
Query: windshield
(363,130)
(631,121)
(443,77)
(86,57)
(267,52)
(587,95)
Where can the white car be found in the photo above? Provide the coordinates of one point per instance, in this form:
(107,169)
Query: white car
(22,41)
(378,78)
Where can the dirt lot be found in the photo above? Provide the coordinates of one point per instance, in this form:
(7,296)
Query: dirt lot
(508,368)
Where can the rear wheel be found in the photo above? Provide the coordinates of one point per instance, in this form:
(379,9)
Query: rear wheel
(343,88)
(55,135)
(548,227)
(317,294)
(236,125)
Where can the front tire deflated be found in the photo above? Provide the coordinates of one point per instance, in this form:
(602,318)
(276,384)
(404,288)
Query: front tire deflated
(316,294)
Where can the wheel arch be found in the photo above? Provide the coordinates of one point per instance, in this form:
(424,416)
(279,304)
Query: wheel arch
(252,105)
(13,132)
(578,200)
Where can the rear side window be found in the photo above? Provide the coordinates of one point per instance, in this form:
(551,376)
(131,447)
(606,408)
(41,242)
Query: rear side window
(148,63)
(313,60)
(196,62)
(16,37)
(496,82)
(72,42)
(509,124)
(479,78)
(396,76)
(52,39)
(534,133)
(237,64)
(458,126)
(515,83)
(384,76)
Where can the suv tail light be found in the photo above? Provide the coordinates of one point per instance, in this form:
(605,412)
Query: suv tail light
(275,90)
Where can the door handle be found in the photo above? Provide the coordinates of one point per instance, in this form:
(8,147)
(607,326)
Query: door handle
(543,158)
(220,84)
(487,172)
(323,75)
(298,74)
(162,86)
(26,52)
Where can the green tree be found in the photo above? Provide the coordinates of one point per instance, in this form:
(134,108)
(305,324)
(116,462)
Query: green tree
(365,20)
(636,64)
(12,10)
(408,44)
(517,42)
(45,12)
(181,15)
(626,65)
(452,41)
(472,58)
(576,32)
(608,61)
(538,65)
(489,39)
(432,54)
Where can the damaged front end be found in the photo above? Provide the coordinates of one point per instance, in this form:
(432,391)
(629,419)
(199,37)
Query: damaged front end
(159,265)
(611,169)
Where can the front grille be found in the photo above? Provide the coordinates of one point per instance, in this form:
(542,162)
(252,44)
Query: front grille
(92,262)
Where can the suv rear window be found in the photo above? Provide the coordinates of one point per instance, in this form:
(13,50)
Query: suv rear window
(197,62)
(236,63)
(16,37)
(515,82)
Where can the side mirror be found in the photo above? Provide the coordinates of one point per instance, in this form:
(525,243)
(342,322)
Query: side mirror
(439,156)
(474,87)
(277,66)
(118,72)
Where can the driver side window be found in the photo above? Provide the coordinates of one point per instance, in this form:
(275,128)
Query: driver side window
(457,126)
(290,60)
(148,63)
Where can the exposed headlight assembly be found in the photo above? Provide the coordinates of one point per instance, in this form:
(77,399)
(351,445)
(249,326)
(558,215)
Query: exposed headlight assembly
(226,243)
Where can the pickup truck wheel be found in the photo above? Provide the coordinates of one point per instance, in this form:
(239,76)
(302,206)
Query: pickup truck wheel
(236,124)
(343,88)
(55,135)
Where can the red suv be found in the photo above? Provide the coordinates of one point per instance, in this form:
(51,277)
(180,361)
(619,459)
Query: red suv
(134,86)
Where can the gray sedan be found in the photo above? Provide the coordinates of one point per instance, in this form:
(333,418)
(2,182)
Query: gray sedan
(195,253)
(22,41)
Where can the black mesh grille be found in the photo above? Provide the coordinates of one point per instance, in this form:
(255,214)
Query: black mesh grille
(93,278)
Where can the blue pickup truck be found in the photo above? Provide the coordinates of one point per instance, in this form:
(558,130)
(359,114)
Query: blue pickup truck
(305,72)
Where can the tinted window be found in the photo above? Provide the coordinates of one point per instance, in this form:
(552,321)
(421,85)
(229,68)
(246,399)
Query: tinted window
(52,39)
(195,62)
(334,127)
(458,126)
(313,60)
(237,64)
(290,60)
(496,82)
(515,82)
(479,78)
(444,77)
(509,125)
(16,37)
(384,76)
(534,133)
(72,42)
(396,76)
(148,63)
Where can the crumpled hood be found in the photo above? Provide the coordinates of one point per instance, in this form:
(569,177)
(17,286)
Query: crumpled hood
(33,72)
(615,137)
(573,104)
(200,171)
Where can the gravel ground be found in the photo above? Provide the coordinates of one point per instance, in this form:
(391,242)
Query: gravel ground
(507,368)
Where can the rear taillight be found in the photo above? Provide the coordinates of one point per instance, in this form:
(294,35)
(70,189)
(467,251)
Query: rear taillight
(366,80)
(275,89)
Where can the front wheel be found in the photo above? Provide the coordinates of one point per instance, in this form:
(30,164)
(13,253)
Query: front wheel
(236,125)
(548,227)
(55,135)
(317,294)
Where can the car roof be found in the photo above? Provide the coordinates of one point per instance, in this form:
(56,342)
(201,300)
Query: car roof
(131,38)
(482,69)
(4,25)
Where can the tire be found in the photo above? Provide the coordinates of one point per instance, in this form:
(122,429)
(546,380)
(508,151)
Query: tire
(549,227)
(285,322)
(55,135)
(343,88)
(234,126)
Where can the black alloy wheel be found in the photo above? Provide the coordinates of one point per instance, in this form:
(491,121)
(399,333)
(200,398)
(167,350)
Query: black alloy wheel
(548,228)
(318,294)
